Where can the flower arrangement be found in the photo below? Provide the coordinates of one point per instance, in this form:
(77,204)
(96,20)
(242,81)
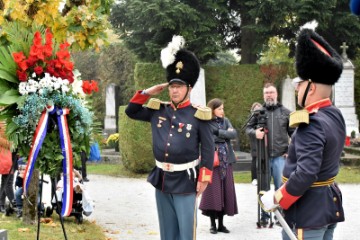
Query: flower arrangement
(113,139)
(43,93)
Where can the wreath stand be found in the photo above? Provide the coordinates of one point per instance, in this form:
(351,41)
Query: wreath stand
(40,207)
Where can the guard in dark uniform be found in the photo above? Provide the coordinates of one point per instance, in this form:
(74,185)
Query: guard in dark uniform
(311,199)
(181,133)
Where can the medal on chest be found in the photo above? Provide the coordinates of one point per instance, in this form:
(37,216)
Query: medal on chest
(181,125)
(161,120)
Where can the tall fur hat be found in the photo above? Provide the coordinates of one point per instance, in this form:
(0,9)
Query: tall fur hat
(181,65)
(316,59)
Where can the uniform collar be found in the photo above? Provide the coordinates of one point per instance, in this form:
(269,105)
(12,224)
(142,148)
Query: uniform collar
(314,107)
(181,105)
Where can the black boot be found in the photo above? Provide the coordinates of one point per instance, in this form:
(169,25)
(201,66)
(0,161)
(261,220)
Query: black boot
(221,227)
(213,225)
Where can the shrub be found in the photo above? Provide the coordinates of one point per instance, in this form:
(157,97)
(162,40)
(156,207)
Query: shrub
(135,144)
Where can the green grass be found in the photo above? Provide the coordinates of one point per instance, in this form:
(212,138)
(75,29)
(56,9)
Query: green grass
(52,231)
(113,170)
(346,175)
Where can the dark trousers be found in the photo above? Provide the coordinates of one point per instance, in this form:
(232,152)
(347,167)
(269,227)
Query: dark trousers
(83,164)
(7,190)
(253,168)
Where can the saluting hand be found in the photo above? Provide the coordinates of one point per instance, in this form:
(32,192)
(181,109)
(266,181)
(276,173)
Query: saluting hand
(156,89)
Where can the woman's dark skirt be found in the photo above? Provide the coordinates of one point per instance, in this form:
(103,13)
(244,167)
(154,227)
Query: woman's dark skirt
(220,195)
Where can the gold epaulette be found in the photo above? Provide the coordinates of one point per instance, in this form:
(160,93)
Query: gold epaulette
(203,113)
(297,117)
(154,103)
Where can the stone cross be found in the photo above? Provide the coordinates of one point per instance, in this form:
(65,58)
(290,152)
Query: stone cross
(344,47)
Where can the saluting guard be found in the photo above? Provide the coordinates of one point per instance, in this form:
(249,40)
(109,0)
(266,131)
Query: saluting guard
(311,199)
(181,133)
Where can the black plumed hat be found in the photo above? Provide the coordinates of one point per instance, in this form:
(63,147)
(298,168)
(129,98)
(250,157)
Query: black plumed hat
(182,66)
(316,59)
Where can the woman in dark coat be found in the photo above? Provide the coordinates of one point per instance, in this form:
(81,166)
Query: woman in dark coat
(256,106)
(219,198)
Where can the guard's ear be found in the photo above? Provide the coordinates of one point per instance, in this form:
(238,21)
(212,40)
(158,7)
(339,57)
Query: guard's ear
(312,88)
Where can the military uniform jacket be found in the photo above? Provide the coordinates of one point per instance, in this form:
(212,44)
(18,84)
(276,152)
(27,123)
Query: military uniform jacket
(311,197)
(178,137)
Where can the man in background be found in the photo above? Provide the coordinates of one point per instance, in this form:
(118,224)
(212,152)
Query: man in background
(277,133)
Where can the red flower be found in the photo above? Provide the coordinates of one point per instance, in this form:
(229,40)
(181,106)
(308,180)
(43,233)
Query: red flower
(21,75)
(86,86)
(18,57)
(23,65)
(38,70)
(41,59)
(94,86)
(90,86)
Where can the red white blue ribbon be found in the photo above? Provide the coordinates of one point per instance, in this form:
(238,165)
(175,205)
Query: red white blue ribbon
(66,149)
(38,139)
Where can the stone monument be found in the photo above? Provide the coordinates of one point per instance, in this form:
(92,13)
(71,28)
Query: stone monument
(198,94)
(110,123)
(343,94)
(288,95)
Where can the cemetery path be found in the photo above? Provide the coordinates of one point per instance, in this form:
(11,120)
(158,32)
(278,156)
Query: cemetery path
(126,209)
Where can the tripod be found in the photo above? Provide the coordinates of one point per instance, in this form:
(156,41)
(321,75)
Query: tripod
(263,174)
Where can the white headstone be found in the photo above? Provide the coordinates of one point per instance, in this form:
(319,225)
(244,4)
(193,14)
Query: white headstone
(110,117)
(198,94)
(288,95)
(343,97)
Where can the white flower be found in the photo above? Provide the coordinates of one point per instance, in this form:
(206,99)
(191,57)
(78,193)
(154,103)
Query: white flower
(41,91)
(64,88)
(57,85)
(77,88)
(65,82)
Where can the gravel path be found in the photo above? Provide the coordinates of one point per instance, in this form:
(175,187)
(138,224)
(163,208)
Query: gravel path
(126,209)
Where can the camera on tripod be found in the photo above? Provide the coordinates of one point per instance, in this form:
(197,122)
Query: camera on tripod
(261,116)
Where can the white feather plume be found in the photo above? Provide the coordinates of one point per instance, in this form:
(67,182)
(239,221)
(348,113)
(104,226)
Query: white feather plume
(310,25)
(168,53)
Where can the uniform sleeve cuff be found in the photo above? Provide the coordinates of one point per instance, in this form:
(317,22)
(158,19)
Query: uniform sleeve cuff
(139,98)
(284,198)
(205,175)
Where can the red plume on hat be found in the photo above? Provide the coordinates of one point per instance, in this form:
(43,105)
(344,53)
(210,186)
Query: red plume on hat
(181,65)
(316,59)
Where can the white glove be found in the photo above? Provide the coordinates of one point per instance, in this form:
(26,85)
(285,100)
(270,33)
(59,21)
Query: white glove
(267,201)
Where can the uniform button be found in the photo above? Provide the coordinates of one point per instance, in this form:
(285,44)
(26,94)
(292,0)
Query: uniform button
(172,126)
(166,154)
(334,199)
(168,144)
(337,214)
(174,117)
(170,134)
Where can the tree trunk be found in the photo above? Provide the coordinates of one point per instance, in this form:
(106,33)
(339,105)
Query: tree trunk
(30,203)
(248,47)
(251,42)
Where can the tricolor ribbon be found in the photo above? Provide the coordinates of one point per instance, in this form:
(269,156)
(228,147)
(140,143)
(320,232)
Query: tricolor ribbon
(38,139)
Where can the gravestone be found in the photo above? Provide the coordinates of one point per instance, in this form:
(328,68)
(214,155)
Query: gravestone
(343,94)
(3,234)
(110,123)
(288,95)
(198,94)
